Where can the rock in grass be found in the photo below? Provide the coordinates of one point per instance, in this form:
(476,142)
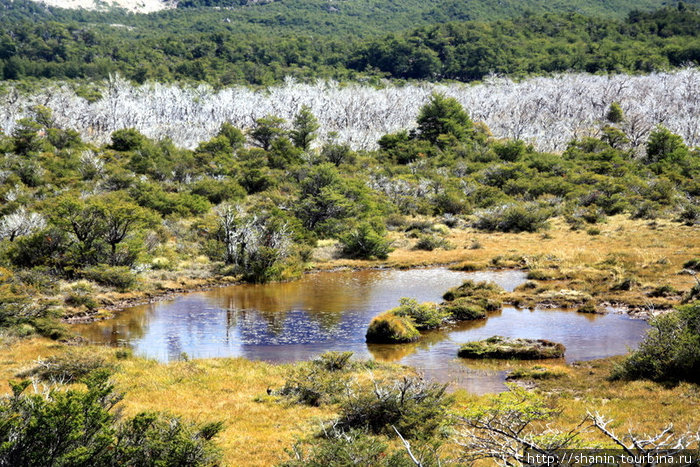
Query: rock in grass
(388,328)
(512,348)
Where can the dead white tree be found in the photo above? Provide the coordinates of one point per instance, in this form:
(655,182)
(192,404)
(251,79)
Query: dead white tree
(20,223)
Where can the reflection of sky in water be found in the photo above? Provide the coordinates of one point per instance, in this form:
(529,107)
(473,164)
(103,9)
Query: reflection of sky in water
(330,311)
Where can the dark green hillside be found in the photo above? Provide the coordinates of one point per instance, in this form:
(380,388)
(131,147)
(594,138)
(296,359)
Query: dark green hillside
(261,44)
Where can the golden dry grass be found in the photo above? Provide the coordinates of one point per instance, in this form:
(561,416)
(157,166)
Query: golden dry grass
(654,252)
(258,427)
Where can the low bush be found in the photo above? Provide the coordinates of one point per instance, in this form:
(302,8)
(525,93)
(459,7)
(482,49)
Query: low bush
(65,368)
(388,328)
(512,348)
(337,447)
(424,315)
(81,295)
(418,409)
(79,427)
(319,381)
(432,242)
(670,351)
(365,243)
(516,218)
(119,277)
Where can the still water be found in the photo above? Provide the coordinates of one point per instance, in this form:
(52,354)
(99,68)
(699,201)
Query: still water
(298,320)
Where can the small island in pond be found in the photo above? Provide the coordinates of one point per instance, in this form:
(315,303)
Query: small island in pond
(512,348)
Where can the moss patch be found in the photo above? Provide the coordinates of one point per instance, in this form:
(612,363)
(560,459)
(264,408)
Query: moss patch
(510,348)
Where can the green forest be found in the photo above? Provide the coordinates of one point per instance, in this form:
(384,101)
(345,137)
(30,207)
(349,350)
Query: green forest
(218,47)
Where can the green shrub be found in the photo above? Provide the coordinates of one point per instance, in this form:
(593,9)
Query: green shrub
(424,315)
(418,409)
(334,361)
(693,264)
(432,242)
(75,427)
(123,354)
(119,277)
(128,139)
(670,351)
(663,291)
(388,328)
(65,368)
(320,381)
(626,283)
(690,215)
(346,448)
(81,295)
(365,243)
(468,267)
(528,217)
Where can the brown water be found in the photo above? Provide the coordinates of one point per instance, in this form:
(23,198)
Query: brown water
(298,320)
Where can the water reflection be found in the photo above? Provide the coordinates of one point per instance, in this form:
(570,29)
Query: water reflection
(330,311)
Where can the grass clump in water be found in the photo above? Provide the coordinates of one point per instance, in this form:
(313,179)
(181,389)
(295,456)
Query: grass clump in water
(463,309)
(388,328)
(512,348)
(402,324)
(472,300)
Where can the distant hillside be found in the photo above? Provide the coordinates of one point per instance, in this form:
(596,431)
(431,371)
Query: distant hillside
(334,17)
(138,6)
(226,47)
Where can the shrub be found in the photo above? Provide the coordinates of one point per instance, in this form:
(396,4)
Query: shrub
(468,267)
(432,242)
(119,277)
(351,447)
(690,215)
(670,351)
(319,381)
(693,264)
(528,217)
(128,139)
(418,409)
(65,368)
(334,361)
(365,243)
(75,427)
(503,347)
(81,295)
(388,328)
(424,315)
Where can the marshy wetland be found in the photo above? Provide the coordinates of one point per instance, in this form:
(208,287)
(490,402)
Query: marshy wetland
(329,311)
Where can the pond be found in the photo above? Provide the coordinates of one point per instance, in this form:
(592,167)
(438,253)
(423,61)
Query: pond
(290,321)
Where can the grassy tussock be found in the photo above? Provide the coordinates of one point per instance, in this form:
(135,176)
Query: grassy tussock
(508,348)
(388,328)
